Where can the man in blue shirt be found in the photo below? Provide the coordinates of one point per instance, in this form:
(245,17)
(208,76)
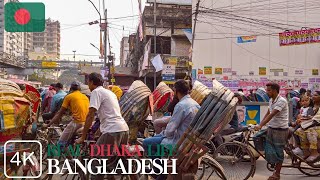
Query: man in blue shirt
(58,97)
(56,102)
(182,116)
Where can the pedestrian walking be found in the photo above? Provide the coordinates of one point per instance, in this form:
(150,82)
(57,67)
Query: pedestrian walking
(277,132)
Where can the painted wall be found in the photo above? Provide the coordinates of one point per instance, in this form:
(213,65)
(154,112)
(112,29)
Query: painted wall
(217,31)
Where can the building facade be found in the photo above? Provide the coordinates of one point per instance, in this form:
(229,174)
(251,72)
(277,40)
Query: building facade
(11,43)
(124,51)
(172,43)
(49,40)
(241,39)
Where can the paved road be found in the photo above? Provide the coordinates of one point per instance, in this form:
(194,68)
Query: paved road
(287,173)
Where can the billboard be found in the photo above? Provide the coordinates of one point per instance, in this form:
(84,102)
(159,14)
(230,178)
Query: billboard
(178,2)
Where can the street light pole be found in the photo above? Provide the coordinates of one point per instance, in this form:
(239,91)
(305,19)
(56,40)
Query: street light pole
(105,44)
(96,9)
(105,61)
(95,47)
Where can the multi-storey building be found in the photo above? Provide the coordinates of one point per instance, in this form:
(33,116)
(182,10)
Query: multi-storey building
(49,40)
(172,42)
(28,42)
(124,51)
(11,43)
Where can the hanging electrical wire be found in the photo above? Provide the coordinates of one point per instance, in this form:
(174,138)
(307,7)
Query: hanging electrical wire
(261,57)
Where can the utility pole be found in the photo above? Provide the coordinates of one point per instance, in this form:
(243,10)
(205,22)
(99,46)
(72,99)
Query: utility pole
(105,42)
(155,41)
(194,33)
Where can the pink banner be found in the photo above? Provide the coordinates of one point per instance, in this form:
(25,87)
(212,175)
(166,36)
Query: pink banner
(299,37)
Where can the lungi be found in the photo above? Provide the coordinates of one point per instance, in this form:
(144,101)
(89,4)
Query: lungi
(275,142)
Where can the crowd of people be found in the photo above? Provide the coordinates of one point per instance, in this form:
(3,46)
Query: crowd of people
(103,104)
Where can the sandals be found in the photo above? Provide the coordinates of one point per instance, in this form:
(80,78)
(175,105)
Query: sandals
(274,177)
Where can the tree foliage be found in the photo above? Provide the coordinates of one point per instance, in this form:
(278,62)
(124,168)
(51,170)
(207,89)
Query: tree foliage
(68,76)
(42,79)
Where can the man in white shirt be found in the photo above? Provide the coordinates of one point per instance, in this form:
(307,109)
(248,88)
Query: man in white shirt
(113,127)
(277,133)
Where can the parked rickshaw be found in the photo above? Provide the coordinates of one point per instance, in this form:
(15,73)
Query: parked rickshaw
(19,108)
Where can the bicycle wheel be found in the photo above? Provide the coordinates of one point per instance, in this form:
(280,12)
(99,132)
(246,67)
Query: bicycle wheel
(236,159)
(308,170)
(209,169)
(211,147)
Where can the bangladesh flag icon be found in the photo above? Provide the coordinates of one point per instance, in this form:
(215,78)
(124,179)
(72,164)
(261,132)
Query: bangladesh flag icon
(24,17)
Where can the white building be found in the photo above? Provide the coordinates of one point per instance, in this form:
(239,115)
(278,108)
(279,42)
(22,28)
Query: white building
(11,43)
(221,23)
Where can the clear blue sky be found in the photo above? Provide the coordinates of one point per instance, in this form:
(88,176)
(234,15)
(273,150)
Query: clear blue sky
(76,35)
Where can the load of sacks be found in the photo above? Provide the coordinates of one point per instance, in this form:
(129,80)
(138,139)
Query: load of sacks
(199,92)
(15,115)
(162,97)
(136,105)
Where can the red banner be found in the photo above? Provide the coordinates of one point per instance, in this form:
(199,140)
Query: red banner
(299,37)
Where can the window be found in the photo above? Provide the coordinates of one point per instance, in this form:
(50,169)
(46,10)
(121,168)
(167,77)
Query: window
(163,45)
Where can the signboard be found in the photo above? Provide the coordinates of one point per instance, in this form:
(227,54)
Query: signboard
(172,60)
(264,79)
(178,2)
(227,70)
(299,37)
(206,81)
(249,114)
(103,26)
(276,70)
(262,71)
(234,73)
(246,39)
(200,71)
(218,71)
(194,74)
(315,72)
(298,72)
(169,69)
(49,64)
(112,70)
(168,73)
(208,70)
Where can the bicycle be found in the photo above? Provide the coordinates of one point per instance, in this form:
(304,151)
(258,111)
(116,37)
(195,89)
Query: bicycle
(237,155)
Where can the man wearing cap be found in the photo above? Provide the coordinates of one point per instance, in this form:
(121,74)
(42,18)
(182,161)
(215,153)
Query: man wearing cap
(78,104)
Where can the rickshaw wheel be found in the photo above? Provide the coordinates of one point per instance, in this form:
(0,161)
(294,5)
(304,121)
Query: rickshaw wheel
(309,170)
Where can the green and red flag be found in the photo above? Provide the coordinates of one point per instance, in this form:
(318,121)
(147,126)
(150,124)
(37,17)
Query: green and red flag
(24,17)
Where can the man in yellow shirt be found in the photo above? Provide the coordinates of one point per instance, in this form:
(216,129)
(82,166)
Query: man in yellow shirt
(78,104)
